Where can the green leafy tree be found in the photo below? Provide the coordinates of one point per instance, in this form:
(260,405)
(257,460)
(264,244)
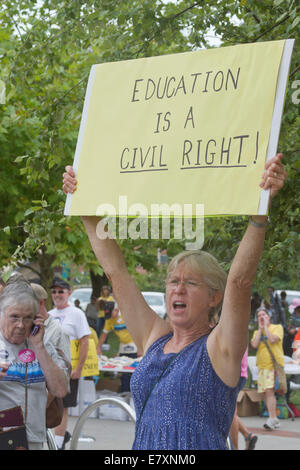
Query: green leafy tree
(47,48)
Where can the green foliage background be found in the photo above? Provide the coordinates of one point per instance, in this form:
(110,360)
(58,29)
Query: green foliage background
(47,48)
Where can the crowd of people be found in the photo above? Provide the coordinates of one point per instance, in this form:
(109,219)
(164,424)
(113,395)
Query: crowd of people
(206,334)
(23,305)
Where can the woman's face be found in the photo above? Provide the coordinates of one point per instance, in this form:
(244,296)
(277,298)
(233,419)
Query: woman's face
(263,318)
(105,292)
(16,322)
(188,298)
(297,311)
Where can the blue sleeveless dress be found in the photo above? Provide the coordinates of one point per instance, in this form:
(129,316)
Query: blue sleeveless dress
(189,408)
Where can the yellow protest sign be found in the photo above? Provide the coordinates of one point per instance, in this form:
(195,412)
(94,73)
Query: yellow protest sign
(189,128)
(90,366)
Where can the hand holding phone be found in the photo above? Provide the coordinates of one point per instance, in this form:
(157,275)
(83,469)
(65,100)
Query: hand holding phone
(34,330)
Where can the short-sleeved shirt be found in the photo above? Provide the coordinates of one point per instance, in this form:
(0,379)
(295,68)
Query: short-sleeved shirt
(72,320)
(13,386)
(118,326)
(263,357)
(101,313)
(296,338)
(55,334)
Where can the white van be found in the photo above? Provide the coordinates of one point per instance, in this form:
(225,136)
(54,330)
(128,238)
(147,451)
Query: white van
(157,301)
(290,294)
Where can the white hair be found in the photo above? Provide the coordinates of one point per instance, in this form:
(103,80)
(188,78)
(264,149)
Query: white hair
(18,292)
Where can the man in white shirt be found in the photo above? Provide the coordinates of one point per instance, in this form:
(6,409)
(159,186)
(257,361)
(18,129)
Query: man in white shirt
(74,323)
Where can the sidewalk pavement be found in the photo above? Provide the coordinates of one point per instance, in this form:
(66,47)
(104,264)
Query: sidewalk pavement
(103,434)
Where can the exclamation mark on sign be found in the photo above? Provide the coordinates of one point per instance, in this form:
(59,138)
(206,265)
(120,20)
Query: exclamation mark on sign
(256,152)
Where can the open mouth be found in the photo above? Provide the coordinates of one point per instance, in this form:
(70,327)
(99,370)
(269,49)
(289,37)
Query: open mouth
(177,305)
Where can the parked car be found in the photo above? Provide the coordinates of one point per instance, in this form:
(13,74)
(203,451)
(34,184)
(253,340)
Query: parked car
(157,301)
(83,294)
(290,294)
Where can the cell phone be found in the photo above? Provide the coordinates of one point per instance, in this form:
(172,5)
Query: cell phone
(34,330)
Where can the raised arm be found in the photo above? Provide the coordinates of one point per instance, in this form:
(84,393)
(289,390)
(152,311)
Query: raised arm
(142,322)
(56,379)
(229,340)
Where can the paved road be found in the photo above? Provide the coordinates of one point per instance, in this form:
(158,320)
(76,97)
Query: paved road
(118,435)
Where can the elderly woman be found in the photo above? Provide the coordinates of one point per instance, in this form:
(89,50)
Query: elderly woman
(273,336)
(46,370)
(186,385)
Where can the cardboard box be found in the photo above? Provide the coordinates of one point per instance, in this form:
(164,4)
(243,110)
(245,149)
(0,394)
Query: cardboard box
(248,402)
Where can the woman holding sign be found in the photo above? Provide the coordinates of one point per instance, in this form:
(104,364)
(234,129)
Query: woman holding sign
(186,385)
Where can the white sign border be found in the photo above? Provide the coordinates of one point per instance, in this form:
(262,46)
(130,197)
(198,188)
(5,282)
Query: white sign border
(277,116)
(274,132)
(81,132)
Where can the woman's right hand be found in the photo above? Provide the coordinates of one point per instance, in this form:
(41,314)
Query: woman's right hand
(69,180)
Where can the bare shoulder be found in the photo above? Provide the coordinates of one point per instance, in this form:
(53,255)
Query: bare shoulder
(160,328)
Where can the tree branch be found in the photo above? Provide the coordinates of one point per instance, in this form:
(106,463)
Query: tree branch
(184,11)
(294,71)
(274,25)
(171,18)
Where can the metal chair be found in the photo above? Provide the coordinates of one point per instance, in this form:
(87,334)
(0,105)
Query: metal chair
(86,413)
(51,440)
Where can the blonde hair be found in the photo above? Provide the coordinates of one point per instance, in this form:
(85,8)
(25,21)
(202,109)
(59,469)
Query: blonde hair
(207,266)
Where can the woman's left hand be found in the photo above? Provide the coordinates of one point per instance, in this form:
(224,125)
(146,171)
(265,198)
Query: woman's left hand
(274,175)
(36,339)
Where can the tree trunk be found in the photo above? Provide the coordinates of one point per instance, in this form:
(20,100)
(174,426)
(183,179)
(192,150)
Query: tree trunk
(97,282)
(45,262)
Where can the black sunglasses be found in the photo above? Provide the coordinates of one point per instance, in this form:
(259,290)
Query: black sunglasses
(60,291)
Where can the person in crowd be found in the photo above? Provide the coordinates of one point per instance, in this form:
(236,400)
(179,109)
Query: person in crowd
(91,312)
(53,330)
(284,304)
(293,328)
(237,425)
(105,297)
(278,314)
(127,347)
(19,314)
(296,338)
(77,303)
(273,335)
(295,316)
(185,387)
(54,334)
(74,324)
(255,303)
